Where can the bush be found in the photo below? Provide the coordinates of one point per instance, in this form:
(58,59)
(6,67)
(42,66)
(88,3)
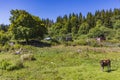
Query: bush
(27,57)
(68,43)
(17,46)
(114,41)
(15,66)
(80,42)
(4,64)
(6,47)
(54,42)
(4,37)
(93,43)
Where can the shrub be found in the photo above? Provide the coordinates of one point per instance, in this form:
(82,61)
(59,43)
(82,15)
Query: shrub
(6,47)
(114,41)
(4,37)
(54,42)
(93,43)
(17,46)
(80,42)
(4,64)
(68,43)
(27,57)
(11,67)
(17,65)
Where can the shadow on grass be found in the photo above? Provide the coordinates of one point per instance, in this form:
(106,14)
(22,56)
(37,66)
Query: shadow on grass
(110,70)
(36,43)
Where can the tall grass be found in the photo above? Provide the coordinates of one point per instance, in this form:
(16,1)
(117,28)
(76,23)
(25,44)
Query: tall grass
(64,63)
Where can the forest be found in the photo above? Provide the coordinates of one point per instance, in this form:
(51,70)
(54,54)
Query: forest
(102,23)
(74,27)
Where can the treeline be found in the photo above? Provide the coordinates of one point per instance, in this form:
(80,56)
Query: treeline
(102,23)
(25,27)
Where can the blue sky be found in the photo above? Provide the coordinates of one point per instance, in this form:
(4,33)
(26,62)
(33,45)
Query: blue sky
(54,8)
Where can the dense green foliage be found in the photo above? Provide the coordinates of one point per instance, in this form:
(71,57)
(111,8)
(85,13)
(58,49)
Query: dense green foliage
(101,23)
(4,27)
(73,27)
(4,37)
(26,26)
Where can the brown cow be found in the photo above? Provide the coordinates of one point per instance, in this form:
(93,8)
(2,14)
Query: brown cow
(104,63)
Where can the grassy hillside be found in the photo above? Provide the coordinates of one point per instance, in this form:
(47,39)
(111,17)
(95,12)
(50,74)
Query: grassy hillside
(63,63)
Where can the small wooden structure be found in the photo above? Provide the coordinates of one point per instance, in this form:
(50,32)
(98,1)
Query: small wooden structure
(101,38)
(68,38)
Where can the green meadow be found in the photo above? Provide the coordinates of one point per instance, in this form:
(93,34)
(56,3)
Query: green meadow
(62,63)
(58,40)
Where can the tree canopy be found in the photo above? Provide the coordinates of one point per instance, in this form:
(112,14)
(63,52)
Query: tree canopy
(26,26)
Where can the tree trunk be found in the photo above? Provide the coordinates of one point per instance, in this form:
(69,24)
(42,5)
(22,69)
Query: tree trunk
(27,41)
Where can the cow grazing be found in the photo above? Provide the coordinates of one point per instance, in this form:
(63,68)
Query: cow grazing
(104,63)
